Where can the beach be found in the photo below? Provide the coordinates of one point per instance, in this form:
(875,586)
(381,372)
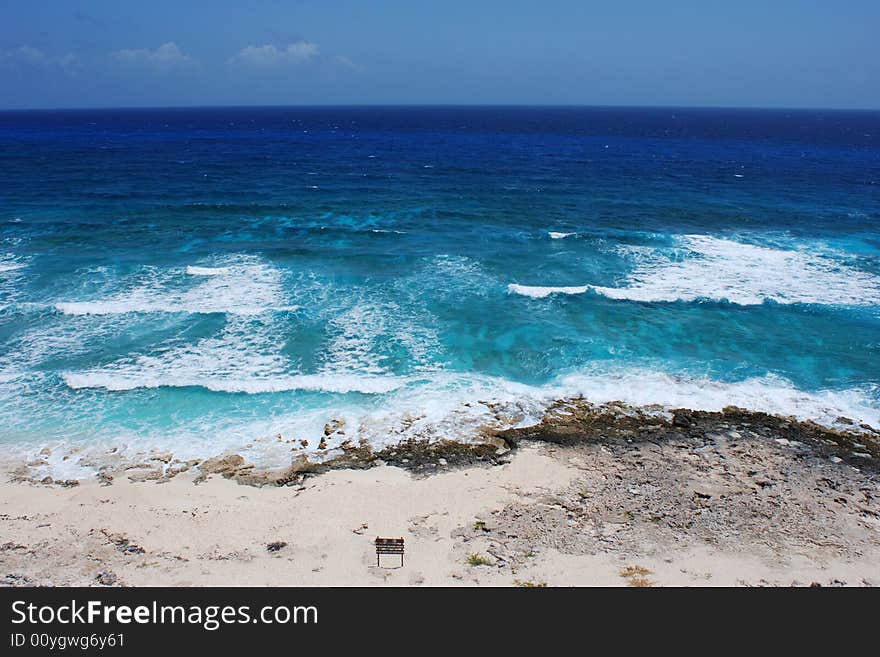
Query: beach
(599,495)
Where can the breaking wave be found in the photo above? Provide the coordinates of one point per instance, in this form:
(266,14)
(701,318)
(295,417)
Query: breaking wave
(704,267)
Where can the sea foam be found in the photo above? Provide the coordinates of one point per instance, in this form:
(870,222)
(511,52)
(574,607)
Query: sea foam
(9,262)
(246,356)
(245,286)
(459,406)
(705,267)
(119,380)
(193,270)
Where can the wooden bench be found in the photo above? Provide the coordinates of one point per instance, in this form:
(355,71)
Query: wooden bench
(389,546)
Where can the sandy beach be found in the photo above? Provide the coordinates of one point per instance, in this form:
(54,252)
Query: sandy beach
(592,496)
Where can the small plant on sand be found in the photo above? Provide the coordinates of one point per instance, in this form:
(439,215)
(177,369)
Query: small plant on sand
(480,526)
(633,571)
(529,584)
(477,559)
(636,576)
(640,582)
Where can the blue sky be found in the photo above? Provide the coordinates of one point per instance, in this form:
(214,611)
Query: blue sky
(772,53)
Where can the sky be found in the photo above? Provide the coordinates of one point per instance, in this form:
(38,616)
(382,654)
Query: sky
(748,53)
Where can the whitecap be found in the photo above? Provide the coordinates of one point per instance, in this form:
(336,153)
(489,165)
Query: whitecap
(559,236)
(705,267)
(539,292)
(769,394)
(333,383)
(193,270)
(363,334)
(242,285)
(9,262)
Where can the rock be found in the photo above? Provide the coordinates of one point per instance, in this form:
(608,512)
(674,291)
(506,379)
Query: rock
(222,464)
(301,464)
(836,459)
(106,578)
(123,544)
(708,490)
(276,545)
(47,480)
(73,452)
(844,420)
(333,425)
(174,471)
(736,435)
(139,475)
(500,445)
(682,417)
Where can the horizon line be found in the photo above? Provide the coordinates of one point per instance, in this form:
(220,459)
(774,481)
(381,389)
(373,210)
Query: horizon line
(86,108)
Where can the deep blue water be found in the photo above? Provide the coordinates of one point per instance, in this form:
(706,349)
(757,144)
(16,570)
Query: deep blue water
(206,278)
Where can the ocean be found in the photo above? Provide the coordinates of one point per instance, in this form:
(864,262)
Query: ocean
(202,280)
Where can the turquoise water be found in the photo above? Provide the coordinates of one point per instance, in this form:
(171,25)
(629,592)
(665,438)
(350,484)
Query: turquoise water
(204,280)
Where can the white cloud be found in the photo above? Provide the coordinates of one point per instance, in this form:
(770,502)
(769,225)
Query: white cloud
(28,56)
(344,61)
(271,55)
(165,56)
(23,54)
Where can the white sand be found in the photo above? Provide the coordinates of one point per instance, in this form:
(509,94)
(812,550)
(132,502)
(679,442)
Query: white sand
(216,533)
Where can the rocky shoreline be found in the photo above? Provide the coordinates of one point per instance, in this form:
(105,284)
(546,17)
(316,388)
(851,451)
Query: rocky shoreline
(593,494)
(566,422)
(575,421)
